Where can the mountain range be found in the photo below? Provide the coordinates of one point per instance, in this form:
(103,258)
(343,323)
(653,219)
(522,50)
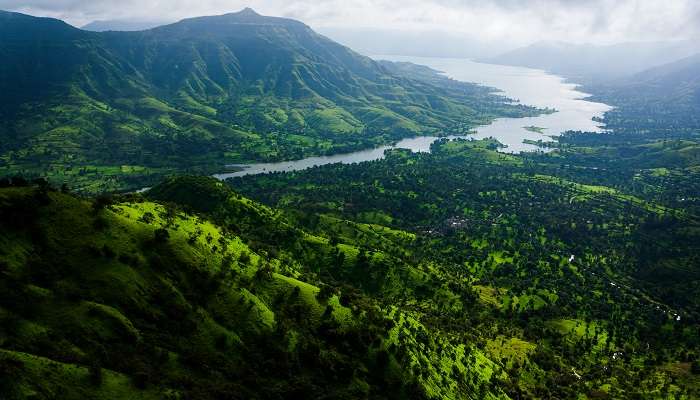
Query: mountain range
(673,81)
(596,64)
(204,92)
(662,99)
(122,25)
(373,41)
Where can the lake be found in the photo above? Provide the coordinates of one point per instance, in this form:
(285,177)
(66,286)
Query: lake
(529,86)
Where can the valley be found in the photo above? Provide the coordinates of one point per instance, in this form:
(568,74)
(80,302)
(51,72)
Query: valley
(314,223)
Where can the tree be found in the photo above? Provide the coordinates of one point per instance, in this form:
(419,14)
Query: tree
(325,293)
(95,373)
(147,217)
(101,202)
(161,235)
(695,367)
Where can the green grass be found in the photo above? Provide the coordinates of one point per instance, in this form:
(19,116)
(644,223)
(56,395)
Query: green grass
(509,351)
(39,377)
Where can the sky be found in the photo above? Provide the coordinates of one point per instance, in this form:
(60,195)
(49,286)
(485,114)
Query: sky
(516,22)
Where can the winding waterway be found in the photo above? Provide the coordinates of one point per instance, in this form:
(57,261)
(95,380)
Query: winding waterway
(529,86)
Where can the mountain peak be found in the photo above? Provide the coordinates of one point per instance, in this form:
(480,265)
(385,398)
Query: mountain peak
(246,16)
(248,11)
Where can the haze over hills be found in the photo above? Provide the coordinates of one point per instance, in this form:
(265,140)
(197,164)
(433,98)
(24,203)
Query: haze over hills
(664,98)
(122,25)
(415,43)
(366,41)
(677,78)
(589,64)
(209,90)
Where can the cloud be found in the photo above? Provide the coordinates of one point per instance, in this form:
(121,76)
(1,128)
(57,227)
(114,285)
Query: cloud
(514,21)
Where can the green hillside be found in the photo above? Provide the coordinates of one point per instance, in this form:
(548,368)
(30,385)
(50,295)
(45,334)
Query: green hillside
(137,299)
(120,109)
(652,146)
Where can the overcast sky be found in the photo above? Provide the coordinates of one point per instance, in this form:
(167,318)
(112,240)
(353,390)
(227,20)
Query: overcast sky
(514,21)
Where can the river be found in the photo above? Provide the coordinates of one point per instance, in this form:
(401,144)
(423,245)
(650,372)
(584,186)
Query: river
(529,86)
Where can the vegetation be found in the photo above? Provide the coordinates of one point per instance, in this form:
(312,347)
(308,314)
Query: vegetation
(130,298)
(535,129)
(578,284)
(583,260)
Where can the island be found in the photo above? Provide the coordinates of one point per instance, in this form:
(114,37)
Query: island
(533,128)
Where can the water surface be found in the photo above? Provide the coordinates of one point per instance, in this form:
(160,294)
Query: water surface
(529,86)
(416,144)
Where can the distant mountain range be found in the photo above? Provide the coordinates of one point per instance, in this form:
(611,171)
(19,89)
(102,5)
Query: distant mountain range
(369,41)
(669,79)
(122,25)
(594,64)
(666,97)
(207,91)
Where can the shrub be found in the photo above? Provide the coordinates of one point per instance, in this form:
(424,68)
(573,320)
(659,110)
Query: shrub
(140,379)
(19,181)
(108,252)
(10,371)
(95,373)
(147,218)
(100,223)
(695,367)
(101,202)
(325,293)
(161,235)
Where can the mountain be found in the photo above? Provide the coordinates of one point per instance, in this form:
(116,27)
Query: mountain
(590,64)
(662,100)
(676,79)
(116,109)
(122,25)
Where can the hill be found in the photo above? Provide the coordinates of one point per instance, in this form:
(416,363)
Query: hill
(595,64)
(119,109)
(662,101)
(676,84)
(134,298)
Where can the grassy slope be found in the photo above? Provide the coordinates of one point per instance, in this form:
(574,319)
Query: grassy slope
(195,312)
